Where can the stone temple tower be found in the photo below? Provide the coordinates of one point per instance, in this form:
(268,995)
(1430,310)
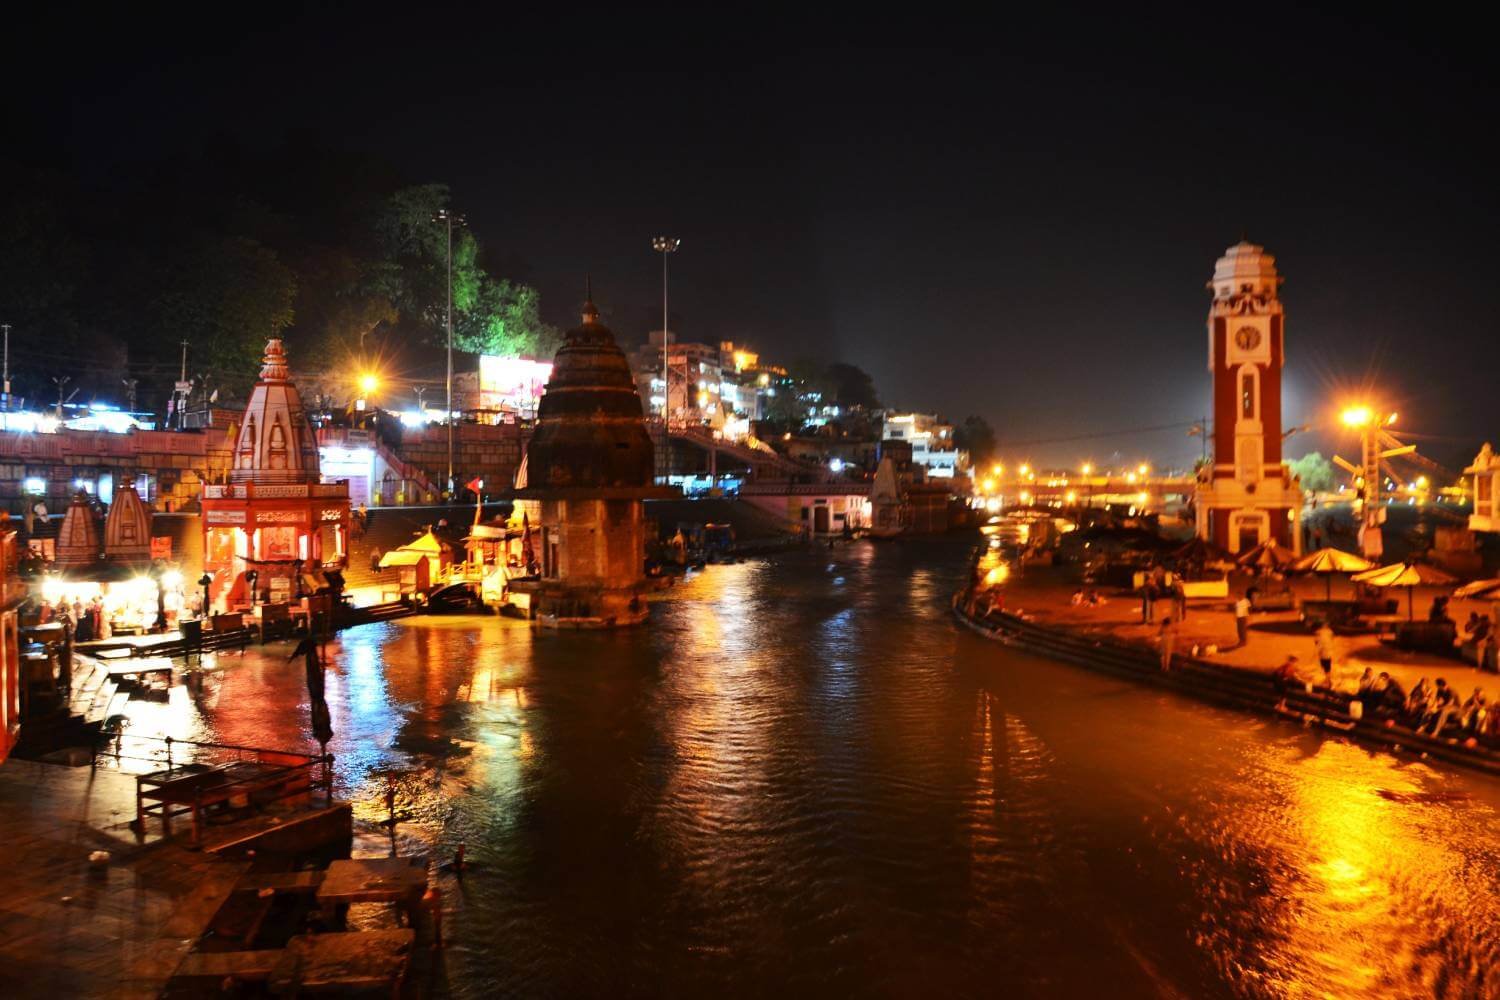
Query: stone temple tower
(588,470)
(1247,495)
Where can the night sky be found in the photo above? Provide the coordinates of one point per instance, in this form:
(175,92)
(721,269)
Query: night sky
(1005,218)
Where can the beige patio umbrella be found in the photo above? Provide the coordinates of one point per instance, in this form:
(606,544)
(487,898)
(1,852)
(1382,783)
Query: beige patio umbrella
(1329,561)
(1267,556)
(1407,575)
(1480,590)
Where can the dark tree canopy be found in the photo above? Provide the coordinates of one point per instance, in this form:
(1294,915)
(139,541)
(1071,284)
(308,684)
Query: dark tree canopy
(977,437)
(222,250)
(846,385)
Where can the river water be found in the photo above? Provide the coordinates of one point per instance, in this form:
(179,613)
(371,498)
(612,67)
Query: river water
(803,778)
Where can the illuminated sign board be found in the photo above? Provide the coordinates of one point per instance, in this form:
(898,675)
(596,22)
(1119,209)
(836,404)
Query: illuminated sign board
(512,383)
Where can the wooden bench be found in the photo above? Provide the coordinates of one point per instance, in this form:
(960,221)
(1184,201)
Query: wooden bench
(196,789)
(1281,600)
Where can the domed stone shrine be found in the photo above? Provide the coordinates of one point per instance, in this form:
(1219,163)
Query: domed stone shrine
(586,474)
(273,515)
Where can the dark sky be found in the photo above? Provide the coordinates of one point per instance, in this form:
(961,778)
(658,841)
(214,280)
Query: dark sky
(1006,217)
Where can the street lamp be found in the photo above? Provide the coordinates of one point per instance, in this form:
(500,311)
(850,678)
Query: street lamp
(1376,445)
(368,383)
(1357,416)
(449,219)
(665,245)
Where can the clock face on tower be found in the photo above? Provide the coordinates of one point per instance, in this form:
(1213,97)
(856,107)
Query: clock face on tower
(1247,338)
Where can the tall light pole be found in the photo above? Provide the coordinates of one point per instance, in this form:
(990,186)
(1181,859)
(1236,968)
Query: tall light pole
(6,328)
(183,388)
(665,245)
(450,219)
(1376,445)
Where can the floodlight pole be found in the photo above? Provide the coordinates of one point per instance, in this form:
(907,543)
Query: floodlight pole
(665,245)
(449,219)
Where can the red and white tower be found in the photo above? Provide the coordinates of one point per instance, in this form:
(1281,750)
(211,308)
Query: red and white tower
(1247,496)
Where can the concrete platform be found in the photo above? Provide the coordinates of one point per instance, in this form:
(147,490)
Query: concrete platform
(72,929)
(1044,595)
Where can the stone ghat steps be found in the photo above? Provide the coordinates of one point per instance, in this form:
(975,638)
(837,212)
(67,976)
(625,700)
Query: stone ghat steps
(1225,686)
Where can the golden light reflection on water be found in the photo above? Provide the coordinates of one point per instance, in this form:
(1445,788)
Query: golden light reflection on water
(1338,873)
(802,769)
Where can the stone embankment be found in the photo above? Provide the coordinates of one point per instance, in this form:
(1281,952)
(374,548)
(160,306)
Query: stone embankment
(1216,683)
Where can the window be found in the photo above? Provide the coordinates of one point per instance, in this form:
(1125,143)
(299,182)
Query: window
(1247,395)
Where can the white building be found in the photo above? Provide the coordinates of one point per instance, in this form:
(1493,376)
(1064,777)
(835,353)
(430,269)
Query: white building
(931,441)
(1486,473)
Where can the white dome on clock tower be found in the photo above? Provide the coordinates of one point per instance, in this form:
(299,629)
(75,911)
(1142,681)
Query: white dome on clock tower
(1245,269)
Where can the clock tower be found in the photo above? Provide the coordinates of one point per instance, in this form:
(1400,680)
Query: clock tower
(1247,495)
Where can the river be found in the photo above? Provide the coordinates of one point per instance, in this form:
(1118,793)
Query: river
(803,778)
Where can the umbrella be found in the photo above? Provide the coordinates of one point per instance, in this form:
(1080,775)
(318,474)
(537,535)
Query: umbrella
(1328,562)
(1201,550)
(1408,575)
(1482,590)
(1267,555)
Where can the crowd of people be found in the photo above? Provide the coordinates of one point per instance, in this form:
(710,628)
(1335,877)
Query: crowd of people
(1435,709)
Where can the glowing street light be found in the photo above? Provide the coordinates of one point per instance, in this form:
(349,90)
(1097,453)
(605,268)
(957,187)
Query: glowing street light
(368,383)
(1087,469)
(1357,416)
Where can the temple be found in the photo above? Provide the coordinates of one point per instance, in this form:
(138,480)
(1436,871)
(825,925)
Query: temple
(273,516)
(584,480)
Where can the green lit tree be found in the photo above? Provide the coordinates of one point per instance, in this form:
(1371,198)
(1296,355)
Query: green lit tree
(1315,472)
(504,319)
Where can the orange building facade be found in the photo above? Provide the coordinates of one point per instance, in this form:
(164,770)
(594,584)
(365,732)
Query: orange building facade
(273,517)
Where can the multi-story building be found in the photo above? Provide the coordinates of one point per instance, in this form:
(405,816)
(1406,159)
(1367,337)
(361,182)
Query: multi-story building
(931,442)
(722,387)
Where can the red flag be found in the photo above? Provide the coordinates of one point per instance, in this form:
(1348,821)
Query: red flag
(474,485)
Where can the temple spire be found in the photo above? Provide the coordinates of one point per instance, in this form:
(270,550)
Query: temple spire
(590,311)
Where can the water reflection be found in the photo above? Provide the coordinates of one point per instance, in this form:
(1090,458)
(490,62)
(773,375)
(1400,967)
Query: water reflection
(803,778)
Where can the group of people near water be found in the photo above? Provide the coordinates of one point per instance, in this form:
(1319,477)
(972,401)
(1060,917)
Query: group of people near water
(1432,709)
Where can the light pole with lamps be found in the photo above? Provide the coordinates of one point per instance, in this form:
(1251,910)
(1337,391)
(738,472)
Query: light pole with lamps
(665,245)
(450,219)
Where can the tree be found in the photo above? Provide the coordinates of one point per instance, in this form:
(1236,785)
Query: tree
(226,297)
(1315,472)
(505,320)
(977,437)
(845,385)
(42,266)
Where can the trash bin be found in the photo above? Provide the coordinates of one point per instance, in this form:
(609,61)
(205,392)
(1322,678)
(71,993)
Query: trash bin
(192,630)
